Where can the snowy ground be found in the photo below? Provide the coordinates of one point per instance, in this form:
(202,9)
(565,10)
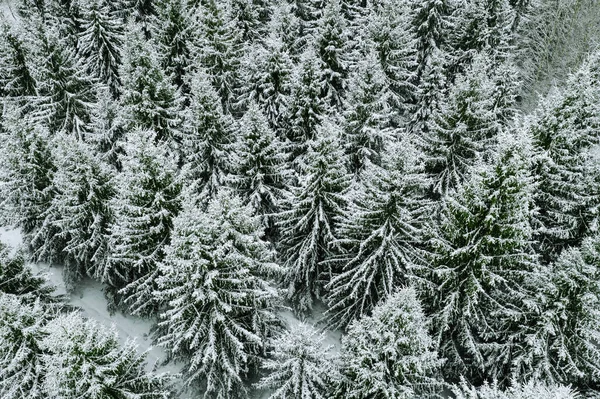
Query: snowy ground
(90,299)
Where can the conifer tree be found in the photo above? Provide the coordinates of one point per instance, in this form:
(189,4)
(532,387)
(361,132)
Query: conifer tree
(107,128)
(28,171)
(16,75)
(21,330)
(483,269)
(530,390)
(367,116)
(309,219)
(220,52)
(307,107)
(288,28)
(260,176)
(565,132)
(207,139)
(149,99)
(301,365)
(65,90)
(100,43)
(246,18)
(146,204)
(219,307)
(76,226)
(390,354)
(268,74)
(378,236)
(430,23)
(82,359)
(331,48)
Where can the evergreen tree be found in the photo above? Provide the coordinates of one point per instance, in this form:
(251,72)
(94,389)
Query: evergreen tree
(219,307)
(107,128)
(28,169)
(21,330)
(300,365)
(16,75)
(76,226)
(483,269)
(288,28)
(100,43)
(246,18)
(260,176)
(146,204)
(378,234)
(390,354)
(367,116)
(82,359)
(307,107)
(531,390)
(309,219)
(565,133)
(207,139)
(331,48)
(149,99)
(268,74)
(430,23)
(220,52)
(65,91)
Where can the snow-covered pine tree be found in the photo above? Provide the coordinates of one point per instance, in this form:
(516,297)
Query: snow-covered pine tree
(268,74)
(64,16)
(17,278)
(331,46)
(175,31)
(220,51)
(245,16)
(308,222)
(149,99)
(288,28)
(81,359)
(260,175)
(483,268)
(393,40)
(562,339)
(100,43)
(460,130)
(300,365)
(28,168)
(530,390)
(378,236)
(367,117)
(219,306)
(146,204)
(390,353)
(21,331)
(16,75)
(76,226)
(207,139)
(66,91)
(307,107)
(106,128)
(565,134)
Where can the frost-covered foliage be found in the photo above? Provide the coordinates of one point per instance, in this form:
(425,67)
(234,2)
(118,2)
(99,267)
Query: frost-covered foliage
(84,360)
(530,390)
(310,216)
(300,366)
(219,305)
(21,331)
(390,354)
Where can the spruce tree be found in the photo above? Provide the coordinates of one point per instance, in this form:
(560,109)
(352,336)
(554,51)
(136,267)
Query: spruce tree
(565,132)
(483,268)
(300,366)
(260,176)
(16,74)
(100,43)
(107,128)
(245,16)
(378,236)
(149,99)
(531,390)
(21,331)
(76,226)
(147,201)
(207,139)
(430,23)
(390,354)
(219,306)
(83,359)
(309,219)
(367,117)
